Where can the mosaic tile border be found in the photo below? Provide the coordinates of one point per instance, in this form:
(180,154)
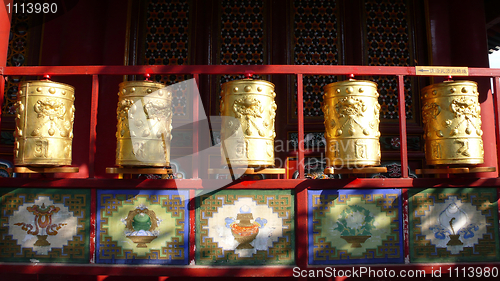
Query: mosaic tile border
(59,218)
(365,244)
(273,211)
(477,238)
(135,239)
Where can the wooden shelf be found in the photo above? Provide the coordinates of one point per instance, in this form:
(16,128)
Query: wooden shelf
(134,171)
(455,170)
(366,170)
(44,170)
(249,171)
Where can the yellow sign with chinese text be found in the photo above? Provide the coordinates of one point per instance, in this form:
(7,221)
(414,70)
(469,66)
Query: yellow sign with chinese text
(442,70)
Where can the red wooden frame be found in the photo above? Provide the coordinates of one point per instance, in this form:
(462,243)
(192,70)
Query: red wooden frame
(299,185)
(298,70)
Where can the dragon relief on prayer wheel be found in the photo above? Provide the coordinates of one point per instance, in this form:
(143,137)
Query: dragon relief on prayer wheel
(451,115)
(351,111)
(248,112)
(45,113)
(144,128)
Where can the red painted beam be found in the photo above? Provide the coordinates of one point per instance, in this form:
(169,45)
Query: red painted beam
(301,231)
(144,270)
(300,114)
(250,184)
(93,124)
(208,69)
(93,225)
(406,224)
(496,102)
(192,227)
(402,126)
(447,270)
(5,17)
(357,70)
(196,132)
(487,72)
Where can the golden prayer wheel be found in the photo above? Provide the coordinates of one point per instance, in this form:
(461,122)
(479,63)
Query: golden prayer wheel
(250,104)
(351,111)
(451,115)
(45,113)
(144,128)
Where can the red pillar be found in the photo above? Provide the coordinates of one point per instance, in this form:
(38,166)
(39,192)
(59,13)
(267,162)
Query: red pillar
(86,35)
(5,17)
(458,38)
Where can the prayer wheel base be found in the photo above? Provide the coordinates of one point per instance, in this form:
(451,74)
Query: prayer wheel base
(45,170)
(250,171)
(455,170)
(136,170)
(365,170)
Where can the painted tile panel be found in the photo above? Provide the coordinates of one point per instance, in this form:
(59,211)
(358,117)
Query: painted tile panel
(453,225)
(245,227)
(142,227)
(44,225)
(355,226)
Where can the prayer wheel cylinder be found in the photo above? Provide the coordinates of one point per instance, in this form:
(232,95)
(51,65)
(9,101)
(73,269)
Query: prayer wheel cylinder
(45,113)
(251,104)
(144,128)
(451,115)
(351,111)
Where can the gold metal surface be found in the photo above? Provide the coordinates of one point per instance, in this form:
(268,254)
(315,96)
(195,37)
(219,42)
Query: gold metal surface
(45,113)
(144,129)
(251,102)
(451,115)
(351,111)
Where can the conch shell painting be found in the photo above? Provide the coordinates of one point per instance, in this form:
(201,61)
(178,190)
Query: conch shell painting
(453,224)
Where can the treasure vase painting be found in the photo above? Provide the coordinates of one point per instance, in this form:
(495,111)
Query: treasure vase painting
(355,226)
(142,227)
(454,225)
(45,225)
(239,227)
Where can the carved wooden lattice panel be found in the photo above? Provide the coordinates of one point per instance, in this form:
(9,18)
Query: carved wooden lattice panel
(16,56)
(387,43)
(242,34)
(167,26)
(315,42)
